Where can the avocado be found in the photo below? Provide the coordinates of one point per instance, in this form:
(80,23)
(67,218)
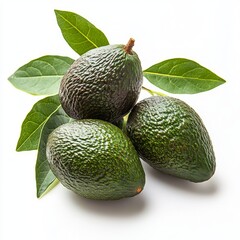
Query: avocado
(104,83)
(95,159)
(171,137)
(119,123)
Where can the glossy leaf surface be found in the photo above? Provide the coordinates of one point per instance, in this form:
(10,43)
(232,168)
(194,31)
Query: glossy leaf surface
(34,122)
(79,33)
(181,76)
(41,76)
(45,179)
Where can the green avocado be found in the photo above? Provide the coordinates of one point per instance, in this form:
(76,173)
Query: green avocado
(104,83)
(95,159)
(170,136)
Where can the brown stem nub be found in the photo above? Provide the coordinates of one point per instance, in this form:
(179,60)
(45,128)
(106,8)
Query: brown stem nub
(128,47)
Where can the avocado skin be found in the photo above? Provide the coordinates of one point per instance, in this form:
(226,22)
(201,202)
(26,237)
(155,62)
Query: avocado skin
(104,83)
(119,123)
(94,159)
(171,137)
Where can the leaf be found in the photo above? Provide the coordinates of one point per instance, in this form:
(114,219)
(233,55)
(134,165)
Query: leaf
(34,122)
(179,75)
(79,33)
(45,179)
(41,76)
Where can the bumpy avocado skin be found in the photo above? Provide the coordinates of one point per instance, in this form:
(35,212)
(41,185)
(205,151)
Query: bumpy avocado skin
(119,123)
(103,83)
(95,159)
(170,136)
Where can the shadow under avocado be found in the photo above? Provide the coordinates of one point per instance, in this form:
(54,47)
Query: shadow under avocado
(114,208)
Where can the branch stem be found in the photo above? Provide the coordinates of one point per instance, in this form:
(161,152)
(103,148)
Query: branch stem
(153,93)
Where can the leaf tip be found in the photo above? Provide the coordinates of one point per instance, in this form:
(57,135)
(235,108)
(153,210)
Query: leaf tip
(18,147)
(57,12)
(42,191)
(9,78)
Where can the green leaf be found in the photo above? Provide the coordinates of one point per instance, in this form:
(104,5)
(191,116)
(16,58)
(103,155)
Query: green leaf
(179,75)
(41,76)
(79,33)
(45,179)
(34,122)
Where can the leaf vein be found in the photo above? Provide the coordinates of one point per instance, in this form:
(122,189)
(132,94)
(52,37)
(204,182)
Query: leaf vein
(74,27)
(182,77)
(38,128)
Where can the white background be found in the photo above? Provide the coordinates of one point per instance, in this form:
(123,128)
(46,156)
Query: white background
(205,31)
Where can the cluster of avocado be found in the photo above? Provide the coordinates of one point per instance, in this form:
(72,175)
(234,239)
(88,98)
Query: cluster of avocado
(94,157)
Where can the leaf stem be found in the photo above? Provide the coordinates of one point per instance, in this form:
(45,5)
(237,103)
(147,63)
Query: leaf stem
(152,92)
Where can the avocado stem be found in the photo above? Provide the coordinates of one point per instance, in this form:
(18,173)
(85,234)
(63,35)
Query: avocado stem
(128,47)
(139,189)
